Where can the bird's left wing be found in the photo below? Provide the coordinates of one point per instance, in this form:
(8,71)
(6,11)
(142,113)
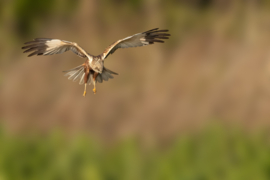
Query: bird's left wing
(136,40)
(46,46)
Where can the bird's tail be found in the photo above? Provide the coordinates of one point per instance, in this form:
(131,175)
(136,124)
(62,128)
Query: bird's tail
(78,73)
(105,75)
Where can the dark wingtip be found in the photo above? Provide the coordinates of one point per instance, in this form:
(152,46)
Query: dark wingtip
(151,30)
(163,30)
(162,37)
(41,39)
(155,40)
(25,47)
(36,40)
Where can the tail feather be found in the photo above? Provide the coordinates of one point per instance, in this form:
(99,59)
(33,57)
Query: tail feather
(78,73)
(82,79)
(105,75)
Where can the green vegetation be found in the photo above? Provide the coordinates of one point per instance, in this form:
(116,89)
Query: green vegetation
(27,16)
(212,154)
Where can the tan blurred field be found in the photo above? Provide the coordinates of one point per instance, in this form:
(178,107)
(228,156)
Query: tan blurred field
(214,68)
(196,107)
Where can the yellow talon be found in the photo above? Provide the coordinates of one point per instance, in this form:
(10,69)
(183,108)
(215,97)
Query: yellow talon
(84,93)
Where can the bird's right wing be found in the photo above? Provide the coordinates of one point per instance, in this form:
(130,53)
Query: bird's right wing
(46,46)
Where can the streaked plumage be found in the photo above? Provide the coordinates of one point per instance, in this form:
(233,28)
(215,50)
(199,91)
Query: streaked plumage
(93,69)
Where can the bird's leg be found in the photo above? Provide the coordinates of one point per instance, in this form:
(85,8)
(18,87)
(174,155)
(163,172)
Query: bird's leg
(84,93)
(86,76)
(94,90)
(94,82)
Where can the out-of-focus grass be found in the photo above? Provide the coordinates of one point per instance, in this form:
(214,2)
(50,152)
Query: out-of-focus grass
(212,154)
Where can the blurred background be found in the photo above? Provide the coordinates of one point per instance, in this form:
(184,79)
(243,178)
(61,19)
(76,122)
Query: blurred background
(196,107)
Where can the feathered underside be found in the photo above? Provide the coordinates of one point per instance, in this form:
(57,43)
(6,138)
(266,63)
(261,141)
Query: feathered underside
(141,39)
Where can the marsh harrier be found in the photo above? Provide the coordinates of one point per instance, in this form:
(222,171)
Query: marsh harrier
(92,70)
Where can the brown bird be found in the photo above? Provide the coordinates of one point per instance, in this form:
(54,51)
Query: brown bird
(92,70)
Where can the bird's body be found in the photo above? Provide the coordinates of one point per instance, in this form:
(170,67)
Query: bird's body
(98,63)
(92,70)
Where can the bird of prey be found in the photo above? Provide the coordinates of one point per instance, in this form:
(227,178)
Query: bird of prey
(92,70)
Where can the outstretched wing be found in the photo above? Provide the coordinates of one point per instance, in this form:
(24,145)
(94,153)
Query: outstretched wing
(140,39)
(46,46)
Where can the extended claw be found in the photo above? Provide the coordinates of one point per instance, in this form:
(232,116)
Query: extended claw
(94,90)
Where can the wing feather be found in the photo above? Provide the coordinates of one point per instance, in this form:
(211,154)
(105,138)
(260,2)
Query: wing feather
(46,46)
(141,39)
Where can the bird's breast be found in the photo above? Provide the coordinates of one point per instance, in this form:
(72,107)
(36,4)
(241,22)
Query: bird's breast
(97,66)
